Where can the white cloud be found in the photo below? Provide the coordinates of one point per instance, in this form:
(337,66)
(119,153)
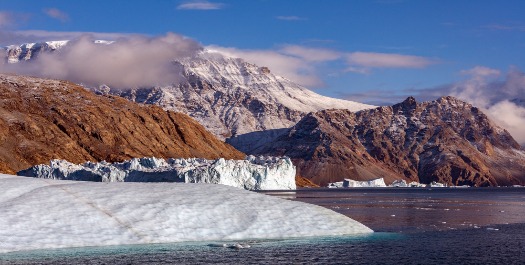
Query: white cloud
(24,36)
(291,67)
(481,71)
(511,117)
(505,27)
(485,90)
(290,18)
(56,14)
(386,60)
(132,61)
(6,19)
(200,5)
(301,63)
(311,54)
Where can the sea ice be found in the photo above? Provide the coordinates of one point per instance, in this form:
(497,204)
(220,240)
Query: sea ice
(253,173)
(349,183)
(42,213)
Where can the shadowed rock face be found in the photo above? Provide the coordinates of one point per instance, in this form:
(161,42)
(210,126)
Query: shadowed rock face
(44,119)
(446,140)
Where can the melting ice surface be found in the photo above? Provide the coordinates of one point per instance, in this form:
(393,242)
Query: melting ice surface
(43,213)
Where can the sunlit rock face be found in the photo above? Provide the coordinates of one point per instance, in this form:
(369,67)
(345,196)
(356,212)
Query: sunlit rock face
(44,119)
(447,141)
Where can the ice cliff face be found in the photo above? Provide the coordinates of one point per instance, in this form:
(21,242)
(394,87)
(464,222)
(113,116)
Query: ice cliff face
(254,173)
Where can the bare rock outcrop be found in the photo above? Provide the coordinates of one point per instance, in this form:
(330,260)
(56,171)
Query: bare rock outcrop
(447,141)
(42,119)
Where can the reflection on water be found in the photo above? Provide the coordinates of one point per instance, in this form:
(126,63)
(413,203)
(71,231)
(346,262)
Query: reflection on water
(419,209)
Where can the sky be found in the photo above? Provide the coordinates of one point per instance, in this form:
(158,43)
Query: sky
(372,51)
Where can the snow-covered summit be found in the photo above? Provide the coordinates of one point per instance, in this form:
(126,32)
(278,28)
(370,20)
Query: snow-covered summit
(230,96)
(219,69)
(253,173)
(28,51)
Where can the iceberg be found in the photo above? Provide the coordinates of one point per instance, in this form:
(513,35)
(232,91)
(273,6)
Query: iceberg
(253,173)
(350,183)
(401,183)
(39,213)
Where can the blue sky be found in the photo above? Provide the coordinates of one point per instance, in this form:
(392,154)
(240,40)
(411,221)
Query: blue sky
(370,51)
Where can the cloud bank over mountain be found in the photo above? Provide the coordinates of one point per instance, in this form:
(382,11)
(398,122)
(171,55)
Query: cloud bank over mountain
(502,99)
(131,61)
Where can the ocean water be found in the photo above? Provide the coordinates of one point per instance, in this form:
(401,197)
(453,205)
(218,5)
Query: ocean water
(413,226)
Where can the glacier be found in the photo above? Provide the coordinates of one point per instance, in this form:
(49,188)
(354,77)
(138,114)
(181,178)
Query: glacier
(253,173)
(39,213)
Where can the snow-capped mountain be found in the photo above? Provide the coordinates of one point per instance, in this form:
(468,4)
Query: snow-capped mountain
(227,95)
(28,51)
(230,96)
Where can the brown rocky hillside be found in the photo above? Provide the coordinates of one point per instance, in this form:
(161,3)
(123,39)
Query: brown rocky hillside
(446,140)
(43,119)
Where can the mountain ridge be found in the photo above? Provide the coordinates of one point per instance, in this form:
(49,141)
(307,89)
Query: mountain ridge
(44,119)
(446,140)
(227,95)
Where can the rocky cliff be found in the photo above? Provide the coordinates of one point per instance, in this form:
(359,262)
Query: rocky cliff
(43,119)
(446,140)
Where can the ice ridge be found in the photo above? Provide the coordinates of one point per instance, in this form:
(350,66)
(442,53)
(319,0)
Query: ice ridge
(253,173)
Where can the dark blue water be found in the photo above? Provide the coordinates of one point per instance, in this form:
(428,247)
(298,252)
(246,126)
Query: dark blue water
(416,226)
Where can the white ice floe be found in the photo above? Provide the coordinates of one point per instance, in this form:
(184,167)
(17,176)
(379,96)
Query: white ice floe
(41,213)
(401,183)
(254,173)
(349,183)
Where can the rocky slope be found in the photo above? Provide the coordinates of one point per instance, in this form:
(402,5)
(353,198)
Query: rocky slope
(446,140)
(227,95)
(230,96)
(43,119)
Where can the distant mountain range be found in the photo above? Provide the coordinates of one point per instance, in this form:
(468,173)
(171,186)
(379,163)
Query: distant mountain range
(227,95)
(446,140)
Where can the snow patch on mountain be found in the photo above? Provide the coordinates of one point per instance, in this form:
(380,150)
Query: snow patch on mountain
(254,173)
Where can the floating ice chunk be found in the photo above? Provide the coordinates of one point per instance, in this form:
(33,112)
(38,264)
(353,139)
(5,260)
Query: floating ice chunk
(42,213)
(399,183)
(349,183)
(379,182)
